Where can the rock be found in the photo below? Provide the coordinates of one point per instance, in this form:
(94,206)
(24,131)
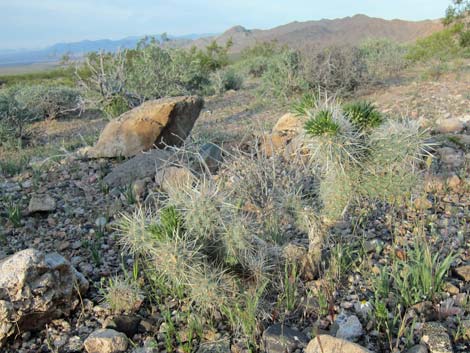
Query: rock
(161,122)
(288,124)
(450,157)
(273,144)
(436,337)
(349,327)
(41,203)
(211,157)
(463,272)
(419,348)
(140,167)
(222,346)
(171,177)
(282,339)
(123,323)
(35,289)
(330,344)
(453,182)
(452,125)
(451,288)
(106,341)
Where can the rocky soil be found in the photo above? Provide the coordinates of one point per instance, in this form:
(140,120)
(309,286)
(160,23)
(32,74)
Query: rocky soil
(67,208)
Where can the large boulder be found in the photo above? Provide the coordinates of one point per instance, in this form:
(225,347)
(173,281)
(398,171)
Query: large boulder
(34,289)
(161,122)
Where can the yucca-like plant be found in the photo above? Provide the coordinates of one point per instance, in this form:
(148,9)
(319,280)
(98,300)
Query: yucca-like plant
(305,104)
(363,115)
(322,124)
(332,141)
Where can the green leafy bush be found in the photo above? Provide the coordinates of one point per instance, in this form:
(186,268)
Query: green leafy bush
(384,58)
(226,79)
(441,45)
(283,77)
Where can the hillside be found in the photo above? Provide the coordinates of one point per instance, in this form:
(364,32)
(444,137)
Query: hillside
(349,30)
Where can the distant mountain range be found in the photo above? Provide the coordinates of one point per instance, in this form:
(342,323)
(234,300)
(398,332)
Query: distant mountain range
(349,30)
(55,52)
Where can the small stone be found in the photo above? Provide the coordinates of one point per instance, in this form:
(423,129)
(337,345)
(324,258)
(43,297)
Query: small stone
(349,327)
(436,337)
(463,272)
(330,344)
(280,338)
(106,341)
(419,348)
(453,182)
(451,289)
(123,323)
(41,203)
(452,125)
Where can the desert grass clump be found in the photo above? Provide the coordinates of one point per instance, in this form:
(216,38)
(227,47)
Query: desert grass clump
(123,295)
(363,115)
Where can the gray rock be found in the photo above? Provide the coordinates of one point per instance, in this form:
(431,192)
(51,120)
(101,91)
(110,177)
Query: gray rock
(211,157)
(34,289)
(141,166)
(349,327)
(435,335)
(330,344)
(123,323)
(41,203)
(450,157)
(419,348)
(106,341)
(280,339)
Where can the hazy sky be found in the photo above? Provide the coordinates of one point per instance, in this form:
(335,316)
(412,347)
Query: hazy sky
(38,23)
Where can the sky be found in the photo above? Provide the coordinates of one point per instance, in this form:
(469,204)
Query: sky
(39,23)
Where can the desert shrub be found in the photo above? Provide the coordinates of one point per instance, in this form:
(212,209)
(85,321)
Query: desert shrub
(441,46)
(384,58)
(21,105)
(226,79)
(116,81)
(337,69)
(49,102)
(464,39)
(254,60)
(283,77)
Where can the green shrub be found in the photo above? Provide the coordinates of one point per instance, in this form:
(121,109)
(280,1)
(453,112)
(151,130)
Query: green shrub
(283,77)
(363,115)
(441,45)
(226,79)
(384,58)
(49,102)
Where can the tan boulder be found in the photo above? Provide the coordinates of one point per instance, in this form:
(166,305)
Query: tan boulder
(166,121)
(330,344)
(273,144)
(288,124)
